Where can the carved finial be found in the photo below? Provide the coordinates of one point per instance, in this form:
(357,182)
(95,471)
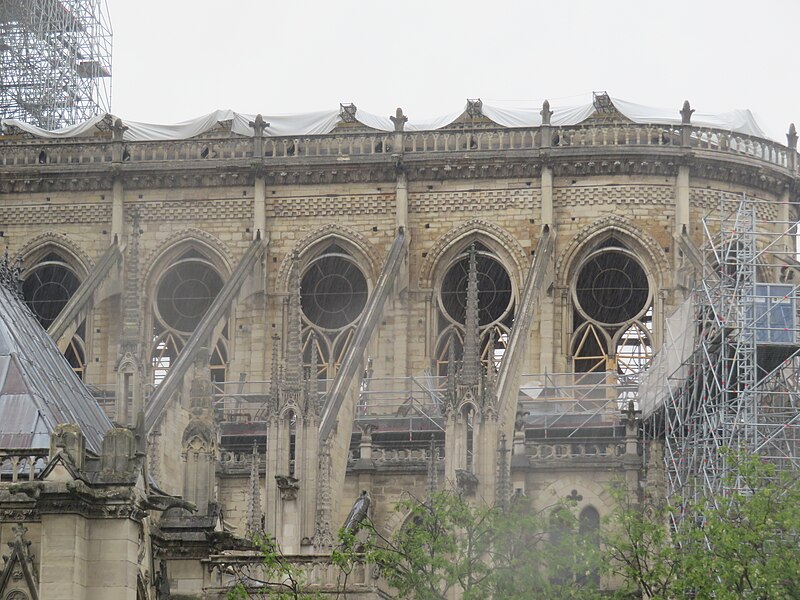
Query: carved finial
(451,370)
(791,137)
(294,352)
(399,120)
(471,360)
(502,491)
(19,532)
(253,519)
(275,369)
(311,379)
(11,274)
(686,113)
(546,112)
(323,536)
(118,130)
(433,471)
(259,125)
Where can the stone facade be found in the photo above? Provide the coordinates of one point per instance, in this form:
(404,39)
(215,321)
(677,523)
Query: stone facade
(340,384)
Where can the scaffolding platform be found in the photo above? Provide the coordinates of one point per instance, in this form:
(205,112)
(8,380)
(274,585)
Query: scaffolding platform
(55,61)
(728,376)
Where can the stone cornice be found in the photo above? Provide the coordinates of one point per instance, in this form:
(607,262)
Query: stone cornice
(428,166)
(28,501)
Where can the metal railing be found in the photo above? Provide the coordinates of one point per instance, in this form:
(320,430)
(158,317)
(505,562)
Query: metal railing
(568,402)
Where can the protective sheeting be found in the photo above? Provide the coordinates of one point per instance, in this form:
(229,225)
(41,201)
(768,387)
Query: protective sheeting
(740,121)
(531,117)
(139,132)
(322,122)
(386,124)
(316,123)
(77,130)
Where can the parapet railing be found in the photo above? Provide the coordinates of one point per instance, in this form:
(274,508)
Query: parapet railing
(85,151)
(401,396)
(22,463)
(571,450)
(392,456)
(568,402)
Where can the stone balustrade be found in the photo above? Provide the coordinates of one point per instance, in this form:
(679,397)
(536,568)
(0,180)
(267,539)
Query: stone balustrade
(568,450)
(397,456)
(20,464)
(343,145)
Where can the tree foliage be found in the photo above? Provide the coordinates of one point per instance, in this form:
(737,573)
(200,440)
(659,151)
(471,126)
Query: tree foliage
(276,576)
(451,545)
(741,543)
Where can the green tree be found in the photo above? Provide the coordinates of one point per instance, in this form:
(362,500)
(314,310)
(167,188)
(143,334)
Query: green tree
(641,550)
(451,544)
(739,543)
(274,576)
(546,554)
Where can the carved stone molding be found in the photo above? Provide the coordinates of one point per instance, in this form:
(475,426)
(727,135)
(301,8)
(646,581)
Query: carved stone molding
(612,224)
(466,482)
(478,228)
(57,241)
(184,237)
(288,486)
(364,250)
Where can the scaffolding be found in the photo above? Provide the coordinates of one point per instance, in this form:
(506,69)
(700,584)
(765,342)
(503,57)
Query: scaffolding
(737,385)
(55,61)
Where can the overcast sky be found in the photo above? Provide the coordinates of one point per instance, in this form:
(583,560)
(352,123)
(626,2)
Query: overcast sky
(177,59)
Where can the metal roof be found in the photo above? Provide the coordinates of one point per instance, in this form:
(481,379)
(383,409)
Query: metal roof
(38,388)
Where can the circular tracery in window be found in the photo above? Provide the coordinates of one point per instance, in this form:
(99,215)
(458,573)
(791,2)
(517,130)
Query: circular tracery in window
(495,294)
(48,287)
(612,287)
(186,292)
(333,291)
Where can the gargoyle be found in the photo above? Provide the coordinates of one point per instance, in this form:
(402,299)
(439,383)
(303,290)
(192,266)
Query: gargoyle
(159,502)
(32,489)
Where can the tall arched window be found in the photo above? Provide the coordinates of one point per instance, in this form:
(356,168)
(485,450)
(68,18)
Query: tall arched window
(333,295)
(47,288)
(613,313)
(496,305)
(589,530)
(183,295)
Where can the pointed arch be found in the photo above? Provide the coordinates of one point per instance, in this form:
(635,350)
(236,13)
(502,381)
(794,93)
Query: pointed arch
(589,238)
(52,241)
(500,241)
(210,246)
(356,244)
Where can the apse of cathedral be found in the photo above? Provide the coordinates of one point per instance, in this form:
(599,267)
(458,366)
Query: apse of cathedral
(244,325)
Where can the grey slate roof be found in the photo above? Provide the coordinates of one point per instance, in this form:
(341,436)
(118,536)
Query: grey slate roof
(38,388)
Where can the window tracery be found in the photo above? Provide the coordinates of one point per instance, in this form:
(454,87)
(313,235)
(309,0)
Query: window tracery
(496,305)
(47,288)
(183,295)
(333,295)
(612,313)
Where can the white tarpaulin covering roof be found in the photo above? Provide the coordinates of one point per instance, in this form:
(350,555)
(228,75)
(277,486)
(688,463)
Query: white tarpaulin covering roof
(317,123)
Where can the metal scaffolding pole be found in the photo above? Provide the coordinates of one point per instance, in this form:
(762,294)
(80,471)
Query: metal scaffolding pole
(55,61)
(739,387)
